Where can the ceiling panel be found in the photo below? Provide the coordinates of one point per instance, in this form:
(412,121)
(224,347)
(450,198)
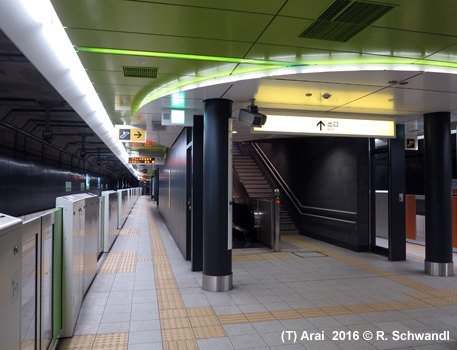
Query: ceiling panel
(385,42)
(419,101)
(258,6)
(305,8)
(449,54)
(160,18)
(433,81)
(157,43)
(422,16)
(173,66)
(371,78)
(295,93)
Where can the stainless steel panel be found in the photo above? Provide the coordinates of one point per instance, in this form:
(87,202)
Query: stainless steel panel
(10,275)
(123,207)
(29,283)
(73,260)
(110,217)
(47,237)
(91,234)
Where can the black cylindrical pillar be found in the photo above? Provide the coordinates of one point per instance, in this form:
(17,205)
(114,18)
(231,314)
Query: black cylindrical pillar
(217,220)
(438,200)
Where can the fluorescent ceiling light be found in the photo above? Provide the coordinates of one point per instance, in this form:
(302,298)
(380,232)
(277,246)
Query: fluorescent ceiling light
(177,117)
(281,124)
(34,27)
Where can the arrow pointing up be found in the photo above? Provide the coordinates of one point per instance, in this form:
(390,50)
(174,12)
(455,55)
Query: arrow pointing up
(320,124)
(138,135)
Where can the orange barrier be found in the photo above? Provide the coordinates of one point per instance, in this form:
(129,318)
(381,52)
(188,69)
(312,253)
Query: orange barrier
(410,205)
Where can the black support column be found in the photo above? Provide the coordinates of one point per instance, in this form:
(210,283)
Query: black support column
(397,219)
(197,197)
(438,200)
(217,193)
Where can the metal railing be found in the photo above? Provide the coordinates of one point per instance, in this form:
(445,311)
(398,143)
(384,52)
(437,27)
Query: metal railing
(285,189)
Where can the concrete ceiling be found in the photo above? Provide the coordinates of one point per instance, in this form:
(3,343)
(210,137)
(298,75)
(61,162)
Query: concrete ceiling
(401,66)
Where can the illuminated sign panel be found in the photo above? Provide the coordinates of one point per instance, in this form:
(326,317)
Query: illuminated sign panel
(328,126)
(139,160)
(411,144)
(126,133)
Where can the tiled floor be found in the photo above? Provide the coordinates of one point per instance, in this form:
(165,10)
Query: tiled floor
(147,298)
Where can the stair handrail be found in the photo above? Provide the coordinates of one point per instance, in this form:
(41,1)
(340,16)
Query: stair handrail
(291,196)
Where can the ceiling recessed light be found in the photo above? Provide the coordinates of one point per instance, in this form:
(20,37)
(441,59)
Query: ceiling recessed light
(140,61)
(393,82)
(403,83)
(391,99)
(309,94)
(234,132)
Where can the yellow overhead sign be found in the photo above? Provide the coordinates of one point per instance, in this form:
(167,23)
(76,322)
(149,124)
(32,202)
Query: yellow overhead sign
(278,124)
(126,133)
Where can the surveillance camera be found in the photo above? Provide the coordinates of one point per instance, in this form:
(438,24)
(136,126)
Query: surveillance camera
(326,95)
(252,118)
(99,162)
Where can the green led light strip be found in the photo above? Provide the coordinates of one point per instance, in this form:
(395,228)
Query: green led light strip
(145,97)
(184,56)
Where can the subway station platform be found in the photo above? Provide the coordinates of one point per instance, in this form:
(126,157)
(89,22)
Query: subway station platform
(146,297)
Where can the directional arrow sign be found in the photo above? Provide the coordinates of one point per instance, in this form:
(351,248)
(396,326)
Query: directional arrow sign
(127,133)
(320,124)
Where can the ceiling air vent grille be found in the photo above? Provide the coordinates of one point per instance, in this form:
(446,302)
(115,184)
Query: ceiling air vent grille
(343,19)
(140,72)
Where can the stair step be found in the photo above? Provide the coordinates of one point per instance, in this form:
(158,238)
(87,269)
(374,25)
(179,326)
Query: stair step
(287,225)
(285,219)
(260,195)
(247,171)
(246,166)
(257,190)
(256,185)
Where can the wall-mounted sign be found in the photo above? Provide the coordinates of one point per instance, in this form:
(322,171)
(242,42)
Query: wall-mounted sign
(411,144)
(127,133)
(281,124)
(67,186)
(141,160)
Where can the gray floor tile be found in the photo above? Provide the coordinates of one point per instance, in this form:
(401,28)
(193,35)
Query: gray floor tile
(114,327)
(142,337)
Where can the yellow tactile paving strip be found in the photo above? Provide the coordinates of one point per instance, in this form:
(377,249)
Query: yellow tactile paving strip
(119,262)
(144,260)
(130,232)
(180,326)
(107,341)
(263,256)
(426,296)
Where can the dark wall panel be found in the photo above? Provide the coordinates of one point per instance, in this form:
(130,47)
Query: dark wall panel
(172,191)
(329,176)
(27,187)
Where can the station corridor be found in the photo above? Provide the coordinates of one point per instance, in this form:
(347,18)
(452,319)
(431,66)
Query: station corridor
(146,297)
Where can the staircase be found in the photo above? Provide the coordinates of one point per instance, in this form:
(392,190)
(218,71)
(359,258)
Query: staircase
(257,186)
